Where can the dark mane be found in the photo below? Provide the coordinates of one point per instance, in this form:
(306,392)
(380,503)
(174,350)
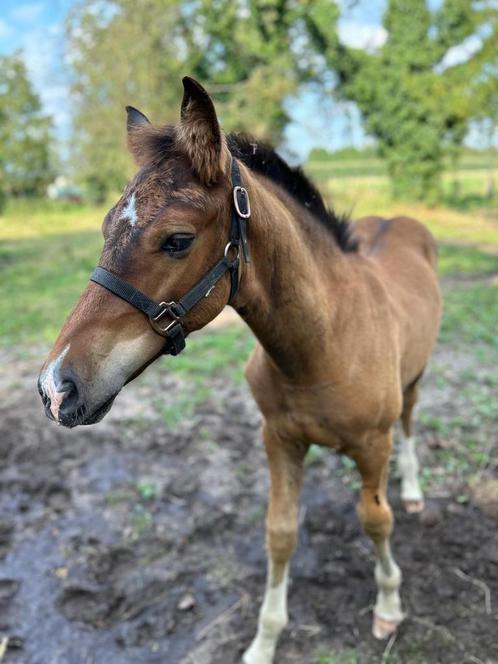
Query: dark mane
(263,159)
(152,144)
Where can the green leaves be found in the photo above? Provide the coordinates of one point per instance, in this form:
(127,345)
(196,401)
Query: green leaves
(415,99)
(25,139)
(240,51)
(416,103)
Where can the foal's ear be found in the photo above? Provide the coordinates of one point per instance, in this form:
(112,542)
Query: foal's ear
(199,133)
(135,118)
(135,121)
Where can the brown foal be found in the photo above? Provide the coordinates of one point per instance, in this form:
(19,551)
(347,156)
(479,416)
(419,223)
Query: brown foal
(345,316)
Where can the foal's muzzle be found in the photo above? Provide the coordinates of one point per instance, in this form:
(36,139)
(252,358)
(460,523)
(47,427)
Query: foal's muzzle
(62,401)
(65,404)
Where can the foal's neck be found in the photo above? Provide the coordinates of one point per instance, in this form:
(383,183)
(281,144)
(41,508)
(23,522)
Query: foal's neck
(284,294)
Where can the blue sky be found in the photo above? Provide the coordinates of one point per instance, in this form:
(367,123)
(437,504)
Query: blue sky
(22,23)
(36,27)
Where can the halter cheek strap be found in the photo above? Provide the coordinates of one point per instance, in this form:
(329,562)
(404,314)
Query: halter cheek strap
(166,317)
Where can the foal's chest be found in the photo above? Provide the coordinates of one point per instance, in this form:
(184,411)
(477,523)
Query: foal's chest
(326,414)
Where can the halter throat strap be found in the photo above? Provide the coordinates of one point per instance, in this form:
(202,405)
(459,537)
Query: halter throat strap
(166,317)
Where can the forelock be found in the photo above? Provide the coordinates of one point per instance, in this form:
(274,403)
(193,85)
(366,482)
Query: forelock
(154,188)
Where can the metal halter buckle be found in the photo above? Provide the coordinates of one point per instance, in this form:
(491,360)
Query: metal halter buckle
(244,201)
(167,310)
(232,245)
(168,322)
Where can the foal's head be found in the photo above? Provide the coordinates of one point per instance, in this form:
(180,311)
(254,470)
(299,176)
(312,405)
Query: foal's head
(167,230)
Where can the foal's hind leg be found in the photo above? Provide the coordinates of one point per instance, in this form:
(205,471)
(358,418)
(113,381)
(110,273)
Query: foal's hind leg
(285,461)
(376,518)
(411,493)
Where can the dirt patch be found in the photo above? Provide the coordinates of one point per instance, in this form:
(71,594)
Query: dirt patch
(131,543)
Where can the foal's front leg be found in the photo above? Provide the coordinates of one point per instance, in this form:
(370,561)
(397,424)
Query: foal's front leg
(285,460)
(376,518)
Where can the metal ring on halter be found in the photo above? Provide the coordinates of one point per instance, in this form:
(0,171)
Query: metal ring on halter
(244,201)
(232,245)
(166,317)
(155,321)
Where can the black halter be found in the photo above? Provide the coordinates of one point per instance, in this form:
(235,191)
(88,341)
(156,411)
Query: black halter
(166,317)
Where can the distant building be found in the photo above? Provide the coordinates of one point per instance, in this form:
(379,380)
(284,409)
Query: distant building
(62,189)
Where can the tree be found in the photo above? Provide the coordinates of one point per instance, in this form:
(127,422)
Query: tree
(253,54)
(25,138)
(413,101)
(248,60)
(128,53)
(485,100)
(121,53)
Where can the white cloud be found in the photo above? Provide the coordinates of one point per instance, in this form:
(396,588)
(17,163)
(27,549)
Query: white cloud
(366,36)
(27,13)
(461,53)
(5,29)
(370,37)
(43,55)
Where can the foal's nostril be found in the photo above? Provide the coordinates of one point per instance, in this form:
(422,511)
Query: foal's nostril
(70,401)
(42,393)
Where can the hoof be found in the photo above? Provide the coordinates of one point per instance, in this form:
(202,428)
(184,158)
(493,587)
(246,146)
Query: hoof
(413,506)
(256,654)
(253,658)
(383,628)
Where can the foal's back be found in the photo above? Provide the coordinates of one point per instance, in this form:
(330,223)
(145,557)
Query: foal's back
(389,239)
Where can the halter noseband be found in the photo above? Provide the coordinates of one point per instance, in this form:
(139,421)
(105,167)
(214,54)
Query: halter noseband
(166,317)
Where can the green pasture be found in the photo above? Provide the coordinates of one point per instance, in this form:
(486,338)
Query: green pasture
(46,254)
(350,162)
(47,251)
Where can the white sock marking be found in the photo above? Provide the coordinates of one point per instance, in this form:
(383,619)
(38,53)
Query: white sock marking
(272,620)
(408,469)
(388,580)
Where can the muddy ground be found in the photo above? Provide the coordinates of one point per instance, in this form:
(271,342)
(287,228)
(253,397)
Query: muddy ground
(130,542)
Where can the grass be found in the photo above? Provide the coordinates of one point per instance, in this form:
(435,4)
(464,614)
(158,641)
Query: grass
(343,657)
(220,353)
(223,351)
(470,315)
(46,255)
(458,260)
(47,251)
(41,279)
(146,490)
(453,223)
(39,218)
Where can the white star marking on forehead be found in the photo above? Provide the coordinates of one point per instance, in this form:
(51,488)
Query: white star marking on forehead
(130,211)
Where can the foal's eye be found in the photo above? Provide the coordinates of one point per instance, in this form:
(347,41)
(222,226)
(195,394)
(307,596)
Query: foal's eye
(177,243)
